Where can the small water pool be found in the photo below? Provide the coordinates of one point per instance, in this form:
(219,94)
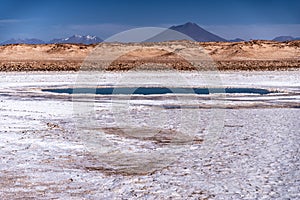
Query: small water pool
(155,90)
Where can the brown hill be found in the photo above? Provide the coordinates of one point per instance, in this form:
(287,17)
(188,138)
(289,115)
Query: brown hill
(252,55)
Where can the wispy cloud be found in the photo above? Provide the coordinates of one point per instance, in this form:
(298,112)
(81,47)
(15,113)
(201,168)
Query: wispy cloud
(9,21)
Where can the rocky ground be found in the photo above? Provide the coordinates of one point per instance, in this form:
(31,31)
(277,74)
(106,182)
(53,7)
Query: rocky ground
(242,146)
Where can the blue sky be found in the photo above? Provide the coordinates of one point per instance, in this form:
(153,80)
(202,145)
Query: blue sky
(247,19)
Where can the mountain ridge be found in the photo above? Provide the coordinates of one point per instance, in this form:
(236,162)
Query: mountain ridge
(187,31)
(77,39)
(197,33)
(74,39)
(23,41)
(285,38)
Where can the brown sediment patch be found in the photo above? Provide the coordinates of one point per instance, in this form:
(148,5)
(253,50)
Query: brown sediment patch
(109,171)
(169,146)
(158,136)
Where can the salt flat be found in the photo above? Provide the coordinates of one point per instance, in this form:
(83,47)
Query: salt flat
(219,146)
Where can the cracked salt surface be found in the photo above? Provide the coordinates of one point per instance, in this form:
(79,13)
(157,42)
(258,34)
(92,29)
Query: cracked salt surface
(254,156)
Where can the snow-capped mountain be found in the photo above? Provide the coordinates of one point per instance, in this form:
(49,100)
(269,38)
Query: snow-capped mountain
(23,41)
(77,39)
(181,32)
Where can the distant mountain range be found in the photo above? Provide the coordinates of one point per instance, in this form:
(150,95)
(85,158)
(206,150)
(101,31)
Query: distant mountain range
(236,40)
(23,41)
(185,31)
(75,39)
(285,38)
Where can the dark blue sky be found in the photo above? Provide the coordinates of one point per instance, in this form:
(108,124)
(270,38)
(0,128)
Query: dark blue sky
(247,19)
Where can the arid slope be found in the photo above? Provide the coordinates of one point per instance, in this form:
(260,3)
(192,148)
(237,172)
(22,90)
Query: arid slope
(252,55)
